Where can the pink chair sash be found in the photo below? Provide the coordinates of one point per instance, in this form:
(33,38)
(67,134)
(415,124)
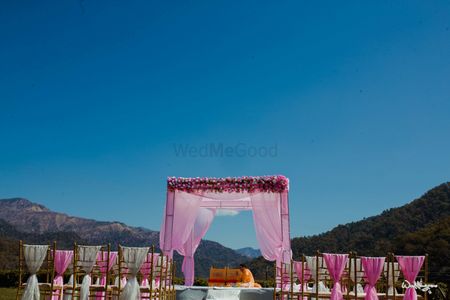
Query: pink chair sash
(104,268)
(298,270)
(335,265)
(373,266)
(410,267)
(146,268)
(62,261)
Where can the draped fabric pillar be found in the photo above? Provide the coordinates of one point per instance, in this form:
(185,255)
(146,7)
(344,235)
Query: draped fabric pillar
(202,223)
(373,266)
(335,266)
(87,256)
(63,258)
(179,220)
(133,258)
(34,257)
(410,267)
(267,216)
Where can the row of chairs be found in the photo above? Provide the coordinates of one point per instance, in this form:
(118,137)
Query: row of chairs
(94,272)
(349,276)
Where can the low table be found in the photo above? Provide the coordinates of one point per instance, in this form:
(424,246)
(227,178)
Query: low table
(229,293)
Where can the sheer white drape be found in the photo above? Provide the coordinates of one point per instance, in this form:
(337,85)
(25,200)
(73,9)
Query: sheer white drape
(34,257)
(133,258)
(68,294)
(358,288)
(312,265)
(396,270)
(87,256)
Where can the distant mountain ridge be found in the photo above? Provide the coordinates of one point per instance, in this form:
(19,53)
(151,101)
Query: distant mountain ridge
(249,252)
(32,222)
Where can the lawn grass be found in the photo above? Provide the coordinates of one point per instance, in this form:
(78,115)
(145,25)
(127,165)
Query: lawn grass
(8,293)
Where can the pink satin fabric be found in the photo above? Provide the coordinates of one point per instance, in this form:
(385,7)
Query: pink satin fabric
(335,266)
(63,258)
(373,266)
(410,267)
(104,268)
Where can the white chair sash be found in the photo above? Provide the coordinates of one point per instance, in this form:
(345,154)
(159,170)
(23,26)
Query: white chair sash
(133,258)
(87,256)
(34,257)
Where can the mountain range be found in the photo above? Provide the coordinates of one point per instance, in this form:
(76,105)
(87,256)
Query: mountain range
(32,222)
(249,252)
(421,226)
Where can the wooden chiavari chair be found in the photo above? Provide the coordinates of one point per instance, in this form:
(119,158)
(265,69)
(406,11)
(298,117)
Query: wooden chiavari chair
(45,271)
(398,291)
(83,268)
(148,287)
(101,289)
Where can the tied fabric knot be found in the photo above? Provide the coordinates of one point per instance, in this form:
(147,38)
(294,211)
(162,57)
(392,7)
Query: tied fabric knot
(370,289)
(336,292)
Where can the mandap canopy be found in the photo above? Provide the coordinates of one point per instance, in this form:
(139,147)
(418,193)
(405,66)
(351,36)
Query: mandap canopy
(191,205)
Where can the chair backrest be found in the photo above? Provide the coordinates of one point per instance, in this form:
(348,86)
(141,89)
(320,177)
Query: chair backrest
(84,261)
(412,265)
(38,260)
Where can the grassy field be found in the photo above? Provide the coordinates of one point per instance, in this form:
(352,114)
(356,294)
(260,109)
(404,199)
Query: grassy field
(7,293)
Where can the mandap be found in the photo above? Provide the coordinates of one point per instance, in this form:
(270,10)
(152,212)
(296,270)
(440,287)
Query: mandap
(191,205)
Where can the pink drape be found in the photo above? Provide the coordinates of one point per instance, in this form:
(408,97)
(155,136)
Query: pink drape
(302,277)
(182,229)
(104,268)
(268,216)
(410,267)
(373,266)
(179,220)
(335,266)
(146,268)
(204,219)
(62,261)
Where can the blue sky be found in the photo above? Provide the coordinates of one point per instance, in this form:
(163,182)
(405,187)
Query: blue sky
(96,95)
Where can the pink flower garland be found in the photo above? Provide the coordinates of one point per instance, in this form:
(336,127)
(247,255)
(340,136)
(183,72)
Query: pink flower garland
(274,184)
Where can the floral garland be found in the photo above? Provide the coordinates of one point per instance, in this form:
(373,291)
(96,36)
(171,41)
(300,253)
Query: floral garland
(250,184)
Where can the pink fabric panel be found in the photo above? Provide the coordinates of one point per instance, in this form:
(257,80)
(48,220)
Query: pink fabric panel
(410,267)
(174,235)
(286,240)
(298,270)
(267,219)
(145,268)
(104,268)
(62,261)
(335,266)
(203,220)
(373,266)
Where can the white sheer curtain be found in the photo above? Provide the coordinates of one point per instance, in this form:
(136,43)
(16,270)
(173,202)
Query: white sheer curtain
(391,281)
(87,256)
(358,288)
(67,295)
(312,265)
(34,257)
(133,258)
